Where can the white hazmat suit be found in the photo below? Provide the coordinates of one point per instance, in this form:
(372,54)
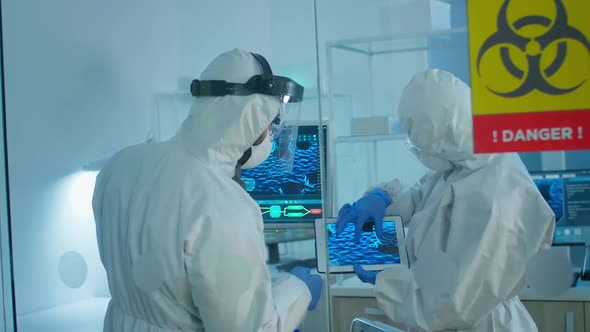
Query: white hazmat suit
(181,242)
(474,222)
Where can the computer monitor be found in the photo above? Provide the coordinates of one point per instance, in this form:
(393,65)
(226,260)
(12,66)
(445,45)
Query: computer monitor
(290,200)
(568,195)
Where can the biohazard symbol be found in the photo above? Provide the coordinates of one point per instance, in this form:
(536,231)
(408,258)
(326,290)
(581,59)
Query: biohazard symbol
(533,77)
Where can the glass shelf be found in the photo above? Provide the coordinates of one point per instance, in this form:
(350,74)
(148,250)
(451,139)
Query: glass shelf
(387,44)
(370,138)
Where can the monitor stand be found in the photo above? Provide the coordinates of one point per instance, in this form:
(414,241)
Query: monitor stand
(272,238)
(274,259)
(273,253)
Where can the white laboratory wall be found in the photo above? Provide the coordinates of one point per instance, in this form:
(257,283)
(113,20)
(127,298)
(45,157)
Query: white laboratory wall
(207,28)
(293,42)
(80,76)
(81,81)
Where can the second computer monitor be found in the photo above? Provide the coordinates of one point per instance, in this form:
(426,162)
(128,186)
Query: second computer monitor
(290,199)
(568,195)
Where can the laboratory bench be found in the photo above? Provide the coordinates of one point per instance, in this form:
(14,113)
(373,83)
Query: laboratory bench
(567,312)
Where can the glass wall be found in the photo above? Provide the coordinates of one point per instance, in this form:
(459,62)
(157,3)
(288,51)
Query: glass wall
(85,79)
(368,52)
(6,281)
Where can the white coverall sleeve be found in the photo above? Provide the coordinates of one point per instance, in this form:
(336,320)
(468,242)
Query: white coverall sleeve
(231,286)
(404,201)
(470,264)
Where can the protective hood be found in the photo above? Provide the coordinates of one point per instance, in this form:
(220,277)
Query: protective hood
(435,112)
(219,130)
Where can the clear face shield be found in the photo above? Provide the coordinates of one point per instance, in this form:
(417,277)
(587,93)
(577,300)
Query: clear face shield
(283,130)
(414,149)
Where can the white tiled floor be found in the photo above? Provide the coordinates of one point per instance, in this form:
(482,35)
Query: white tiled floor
(88,315)
(83,316)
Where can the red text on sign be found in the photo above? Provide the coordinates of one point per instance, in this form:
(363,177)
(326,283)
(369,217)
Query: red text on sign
(529,132)
(543,134)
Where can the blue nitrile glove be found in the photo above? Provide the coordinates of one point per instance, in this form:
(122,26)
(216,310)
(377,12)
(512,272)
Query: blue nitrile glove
(313,282)
(370,207)
(366,276)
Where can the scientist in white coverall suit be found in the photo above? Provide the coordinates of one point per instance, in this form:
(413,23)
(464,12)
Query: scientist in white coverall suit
(474,221)
(181,242)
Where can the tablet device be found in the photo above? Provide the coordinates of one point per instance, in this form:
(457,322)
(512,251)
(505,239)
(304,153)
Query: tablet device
(370,252)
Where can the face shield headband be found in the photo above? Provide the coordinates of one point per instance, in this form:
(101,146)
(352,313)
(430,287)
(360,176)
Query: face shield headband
(286,89)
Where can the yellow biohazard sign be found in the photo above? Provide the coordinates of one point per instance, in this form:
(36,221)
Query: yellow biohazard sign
(529,58)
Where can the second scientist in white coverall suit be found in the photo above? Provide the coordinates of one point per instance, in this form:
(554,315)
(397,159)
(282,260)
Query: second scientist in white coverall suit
(182,243)
(475,221)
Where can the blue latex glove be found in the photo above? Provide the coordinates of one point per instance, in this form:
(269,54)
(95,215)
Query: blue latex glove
(366,276)
(370,207)
(313,282)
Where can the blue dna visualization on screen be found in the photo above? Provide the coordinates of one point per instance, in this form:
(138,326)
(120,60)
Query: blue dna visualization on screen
(343,251)
(568,195)
(551,188)
(290,197)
